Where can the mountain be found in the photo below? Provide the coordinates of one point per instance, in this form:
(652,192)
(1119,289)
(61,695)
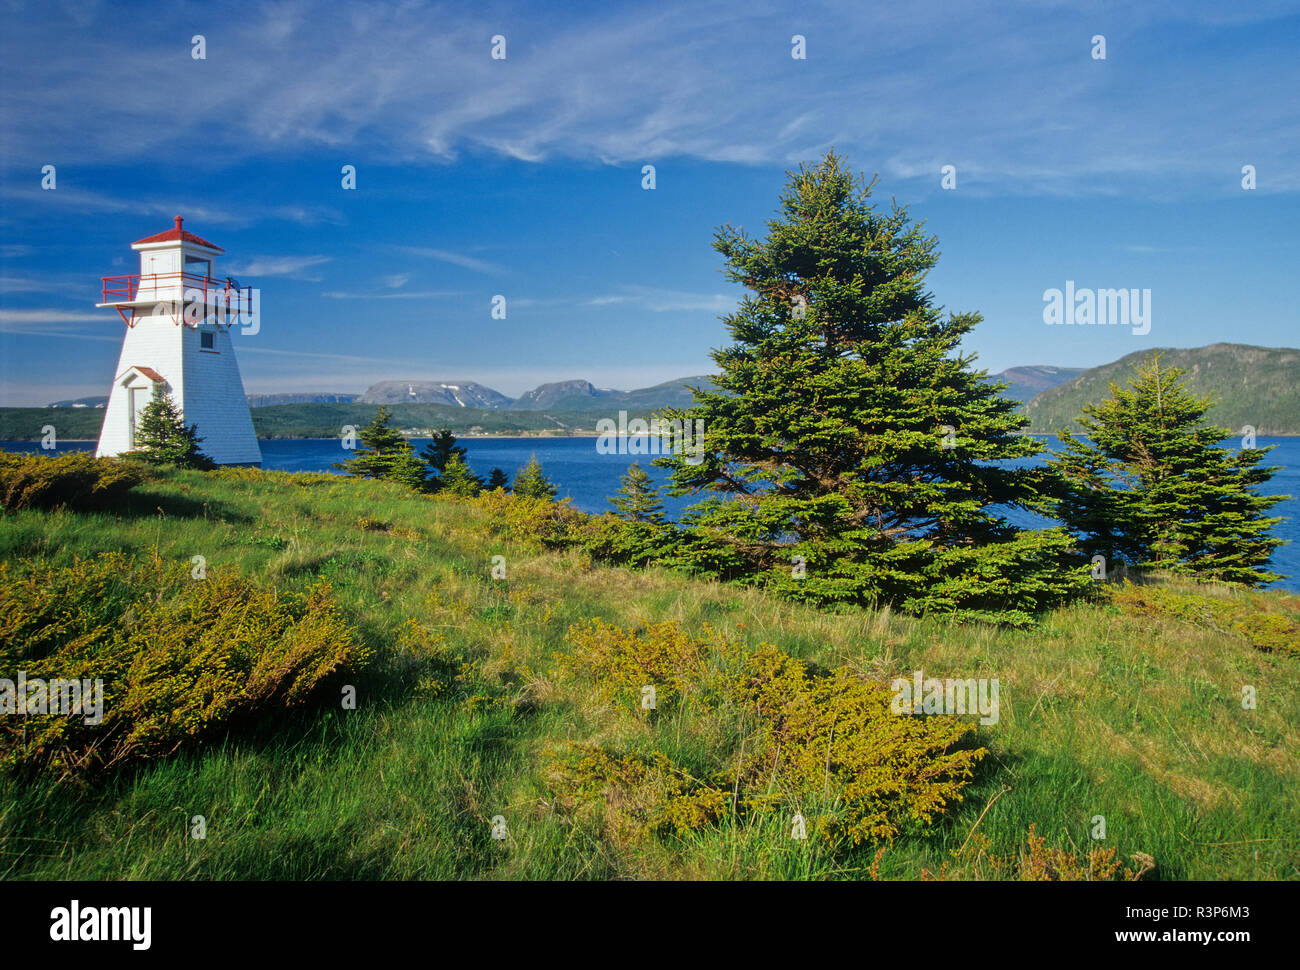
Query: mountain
(561,394)
(1257,386)
(465,394)
(270,400)
(82,402)
(1027,382)
(674,394)
(584,396)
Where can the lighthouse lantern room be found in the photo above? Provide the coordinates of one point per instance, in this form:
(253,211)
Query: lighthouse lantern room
(178,319)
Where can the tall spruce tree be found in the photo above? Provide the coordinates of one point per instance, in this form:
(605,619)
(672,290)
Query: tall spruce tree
(849,442)
(381,446)
(1150,488)
(162,437)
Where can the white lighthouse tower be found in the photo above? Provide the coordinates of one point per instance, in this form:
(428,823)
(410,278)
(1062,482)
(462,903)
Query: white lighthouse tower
(178,321)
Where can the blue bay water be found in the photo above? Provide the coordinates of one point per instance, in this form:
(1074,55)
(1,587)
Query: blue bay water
(588,478)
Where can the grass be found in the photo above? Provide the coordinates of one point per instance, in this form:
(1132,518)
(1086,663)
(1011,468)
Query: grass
(1131,714)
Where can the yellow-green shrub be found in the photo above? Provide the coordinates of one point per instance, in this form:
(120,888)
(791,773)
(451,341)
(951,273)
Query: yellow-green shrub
(825,744)
(1233,615)
(75,480)
(836,734)
(522,519)
(179,657)
(657,793)
(1036,861)
(621,662)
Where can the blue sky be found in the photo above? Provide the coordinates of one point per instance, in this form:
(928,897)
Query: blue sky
(522,177)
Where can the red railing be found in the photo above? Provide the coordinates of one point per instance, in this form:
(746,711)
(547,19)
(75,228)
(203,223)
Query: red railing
(124,289)
(185,291)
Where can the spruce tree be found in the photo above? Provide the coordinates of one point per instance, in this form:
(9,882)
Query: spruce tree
(1149,487)
(638,498)
(498,479)
(458,479)
(531,483)
(381,445)
(641,535)
(849,444)
(439,450)
(162,436)
(406,469)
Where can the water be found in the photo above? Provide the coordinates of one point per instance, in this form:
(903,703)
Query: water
(588,478)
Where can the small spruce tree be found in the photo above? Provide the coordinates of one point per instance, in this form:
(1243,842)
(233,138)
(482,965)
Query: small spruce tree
(381,445)
(1149,487)
(498,479)
(638,498)
(408,470)
(458,479)
(437,453)
(162,436)
(531,483)
(640,536)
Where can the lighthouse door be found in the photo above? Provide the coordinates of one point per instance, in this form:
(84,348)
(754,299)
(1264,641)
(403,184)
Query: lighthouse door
(130,403)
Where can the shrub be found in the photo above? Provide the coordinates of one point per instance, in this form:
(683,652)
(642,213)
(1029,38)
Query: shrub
(535,520)
(825,744)
(621,662)
(179,657)
(1036,861)
(75,480)
(1266,631)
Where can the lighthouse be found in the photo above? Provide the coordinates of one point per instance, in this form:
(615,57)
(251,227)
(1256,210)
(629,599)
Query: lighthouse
(178,318)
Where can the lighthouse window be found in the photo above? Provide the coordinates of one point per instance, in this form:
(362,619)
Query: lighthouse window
(205,341)
(197,267)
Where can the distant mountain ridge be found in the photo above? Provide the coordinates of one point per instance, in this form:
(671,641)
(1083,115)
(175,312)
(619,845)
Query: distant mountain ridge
(559,394)
(575,395)
(1256,386)
(465,394)
(271,400)
(1028,382)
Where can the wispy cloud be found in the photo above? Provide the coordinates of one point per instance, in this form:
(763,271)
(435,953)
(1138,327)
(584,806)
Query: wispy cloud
(385,295)
(194,210)
(60,323)
(27,284)
(627,84)
(660,300)
(455,259)
(290,266)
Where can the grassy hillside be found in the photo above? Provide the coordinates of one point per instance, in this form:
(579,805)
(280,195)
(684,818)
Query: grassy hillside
(1128,707)
(1259,386)
(70,424)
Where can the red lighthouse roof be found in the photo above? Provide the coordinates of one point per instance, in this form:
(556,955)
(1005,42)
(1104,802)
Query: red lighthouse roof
(178,234)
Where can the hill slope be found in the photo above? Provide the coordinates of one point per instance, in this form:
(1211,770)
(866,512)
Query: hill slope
(1259,386)
(468,708)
